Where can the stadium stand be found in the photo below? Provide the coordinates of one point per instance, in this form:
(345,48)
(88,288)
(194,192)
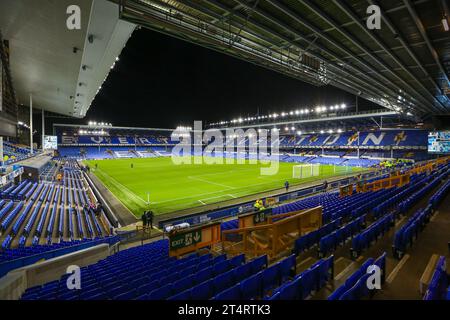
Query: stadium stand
(407,145)
(44,212)
(13,153)
(205,277)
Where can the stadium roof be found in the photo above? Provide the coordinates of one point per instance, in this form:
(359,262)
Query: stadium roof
(404,66)
(42,55)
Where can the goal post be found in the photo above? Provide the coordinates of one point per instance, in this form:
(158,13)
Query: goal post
(302,171)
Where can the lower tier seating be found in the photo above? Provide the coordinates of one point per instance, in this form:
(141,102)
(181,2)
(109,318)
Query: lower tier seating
(355,287)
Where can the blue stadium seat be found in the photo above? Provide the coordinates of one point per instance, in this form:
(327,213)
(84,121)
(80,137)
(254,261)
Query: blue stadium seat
(184,295)
(224,281)
(184,283)
(271,278)
(242,272)
(221,267)
(233,293)
(251,287)
(258,264)
(203,291)
(161,293)
(287,268)
(290,291)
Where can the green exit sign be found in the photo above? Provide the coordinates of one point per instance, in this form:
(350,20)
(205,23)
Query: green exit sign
(187,239)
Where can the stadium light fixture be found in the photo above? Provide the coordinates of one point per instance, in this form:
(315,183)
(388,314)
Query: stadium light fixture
(339,130)
(321,131)
(292,128)
(299,133)
(318,109)
(343,106)
(286,129)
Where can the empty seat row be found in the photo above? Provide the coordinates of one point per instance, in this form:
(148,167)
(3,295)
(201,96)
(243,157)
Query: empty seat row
(438,287)
(371,234)
(436,199)
(405,236)
(306,241)
(330,242)
(141,271)
(355,287)
(221,283)
(307,282)
(435,179)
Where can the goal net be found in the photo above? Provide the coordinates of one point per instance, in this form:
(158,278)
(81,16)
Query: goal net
(305,170)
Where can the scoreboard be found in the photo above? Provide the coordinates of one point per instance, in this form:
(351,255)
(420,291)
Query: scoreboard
(439,142)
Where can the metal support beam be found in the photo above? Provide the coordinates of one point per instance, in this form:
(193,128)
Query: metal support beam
(344,7)
(43,129)
(363,48)
(342,78)
(422,31)
(376,84)
(31,123)
(407,46)
(1,151)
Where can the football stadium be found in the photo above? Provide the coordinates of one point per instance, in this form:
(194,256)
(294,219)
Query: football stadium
(250,150)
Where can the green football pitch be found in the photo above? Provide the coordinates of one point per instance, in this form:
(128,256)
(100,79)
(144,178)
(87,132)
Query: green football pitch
(171,187)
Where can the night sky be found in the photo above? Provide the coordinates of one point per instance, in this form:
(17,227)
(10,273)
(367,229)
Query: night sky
(163,82)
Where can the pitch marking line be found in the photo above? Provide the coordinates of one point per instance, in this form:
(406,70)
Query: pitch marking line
(117,183)
(202,202)
(397,268)
(210,182)
(219,196)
